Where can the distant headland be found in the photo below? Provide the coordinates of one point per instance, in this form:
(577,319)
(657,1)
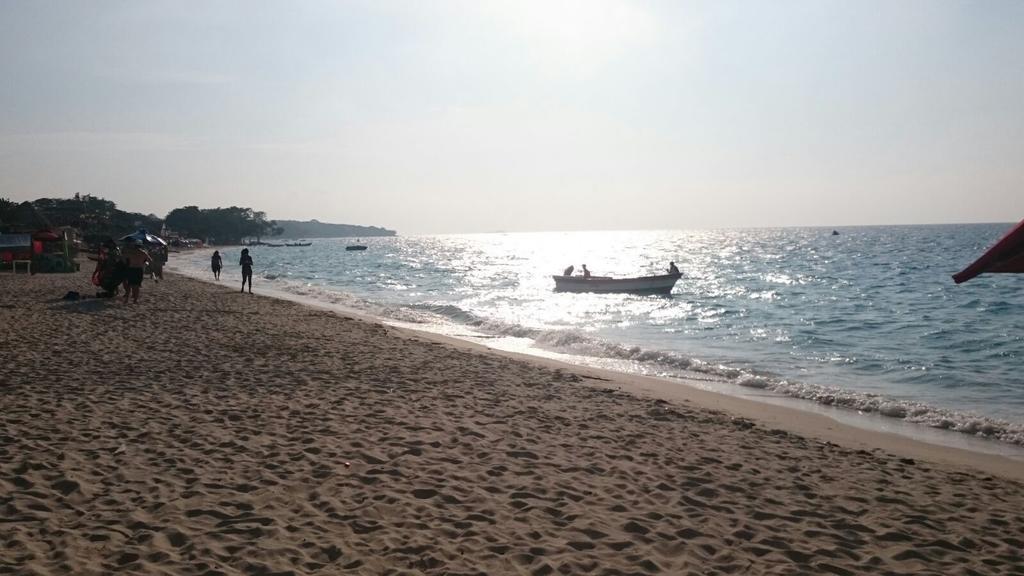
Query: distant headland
(317,229)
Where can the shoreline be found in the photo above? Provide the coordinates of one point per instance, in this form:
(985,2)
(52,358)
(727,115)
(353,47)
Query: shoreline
(202,430)
(793,414)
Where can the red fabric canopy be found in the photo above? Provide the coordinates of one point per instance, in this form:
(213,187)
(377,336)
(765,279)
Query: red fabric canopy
(1006,256)
(45,235)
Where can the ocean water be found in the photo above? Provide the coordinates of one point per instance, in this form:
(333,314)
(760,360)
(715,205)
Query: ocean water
(868,322)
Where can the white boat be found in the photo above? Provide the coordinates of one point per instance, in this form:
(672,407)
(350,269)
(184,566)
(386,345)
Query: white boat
(642,285)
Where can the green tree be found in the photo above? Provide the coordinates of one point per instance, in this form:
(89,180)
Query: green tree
(94,217)
(189,221)
(221,225)
(6,212)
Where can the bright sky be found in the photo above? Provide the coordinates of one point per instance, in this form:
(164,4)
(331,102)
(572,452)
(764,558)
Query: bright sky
(474,116)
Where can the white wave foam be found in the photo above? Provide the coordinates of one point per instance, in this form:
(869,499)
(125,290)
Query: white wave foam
(915,412)
(579,344)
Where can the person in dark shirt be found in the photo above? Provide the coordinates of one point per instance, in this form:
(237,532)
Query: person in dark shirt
(586,273)
(568,271)
(672,269)
(246,263)
(216,263)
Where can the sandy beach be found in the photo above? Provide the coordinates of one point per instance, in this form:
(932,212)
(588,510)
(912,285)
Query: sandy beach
(203,431)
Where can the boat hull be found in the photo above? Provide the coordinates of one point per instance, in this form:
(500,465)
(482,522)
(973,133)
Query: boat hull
(644,285)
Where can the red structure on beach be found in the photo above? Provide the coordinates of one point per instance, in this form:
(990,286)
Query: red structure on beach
(1006,256)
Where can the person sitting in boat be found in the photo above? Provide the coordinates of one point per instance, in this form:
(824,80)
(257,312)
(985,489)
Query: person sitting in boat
(672,269)
(586,273)
(568,271)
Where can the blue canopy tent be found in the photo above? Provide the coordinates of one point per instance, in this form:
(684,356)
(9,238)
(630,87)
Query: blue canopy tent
(145,238)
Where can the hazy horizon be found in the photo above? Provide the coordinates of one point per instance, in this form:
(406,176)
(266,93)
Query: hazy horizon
(462,117)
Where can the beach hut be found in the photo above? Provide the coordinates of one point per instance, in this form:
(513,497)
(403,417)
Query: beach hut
(16,249)
(39,251)
(52,251)
(1006,256)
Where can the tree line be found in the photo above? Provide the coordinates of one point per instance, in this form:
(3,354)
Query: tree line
(97,219)
(221,225)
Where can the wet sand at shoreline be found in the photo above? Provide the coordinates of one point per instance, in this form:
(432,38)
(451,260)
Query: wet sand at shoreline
(203,431)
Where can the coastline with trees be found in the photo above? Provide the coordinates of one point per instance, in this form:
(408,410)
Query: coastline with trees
(96,219)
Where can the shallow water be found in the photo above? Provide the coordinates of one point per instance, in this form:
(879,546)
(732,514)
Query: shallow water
(868,320)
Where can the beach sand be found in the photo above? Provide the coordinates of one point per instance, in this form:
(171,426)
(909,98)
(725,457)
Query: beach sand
(203,431)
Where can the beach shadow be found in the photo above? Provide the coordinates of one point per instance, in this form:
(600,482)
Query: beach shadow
(87,305)
(90,305)
(208,311)
(231,294)
(213,311)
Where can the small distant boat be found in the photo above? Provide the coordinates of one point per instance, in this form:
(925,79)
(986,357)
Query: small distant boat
(835,232)
(296,244)
(661,284)
(354,247)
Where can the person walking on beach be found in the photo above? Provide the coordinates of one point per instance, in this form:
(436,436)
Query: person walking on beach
(156,265)
(137,258)
(246,262)
(216,263)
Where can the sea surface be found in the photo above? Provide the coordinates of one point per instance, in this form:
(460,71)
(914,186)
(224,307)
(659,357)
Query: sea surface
(865,324)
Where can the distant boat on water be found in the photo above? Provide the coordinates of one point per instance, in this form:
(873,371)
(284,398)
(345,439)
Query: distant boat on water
(660,284)
(297,244)
(355,247)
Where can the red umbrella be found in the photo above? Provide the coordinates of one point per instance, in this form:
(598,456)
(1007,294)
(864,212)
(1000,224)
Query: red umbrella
(45,235)
(1006,256)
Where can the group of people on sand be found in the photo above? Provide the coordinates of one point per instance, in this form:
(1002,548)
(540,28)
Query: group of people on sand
(126,266)
(672,269)
(245,261)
